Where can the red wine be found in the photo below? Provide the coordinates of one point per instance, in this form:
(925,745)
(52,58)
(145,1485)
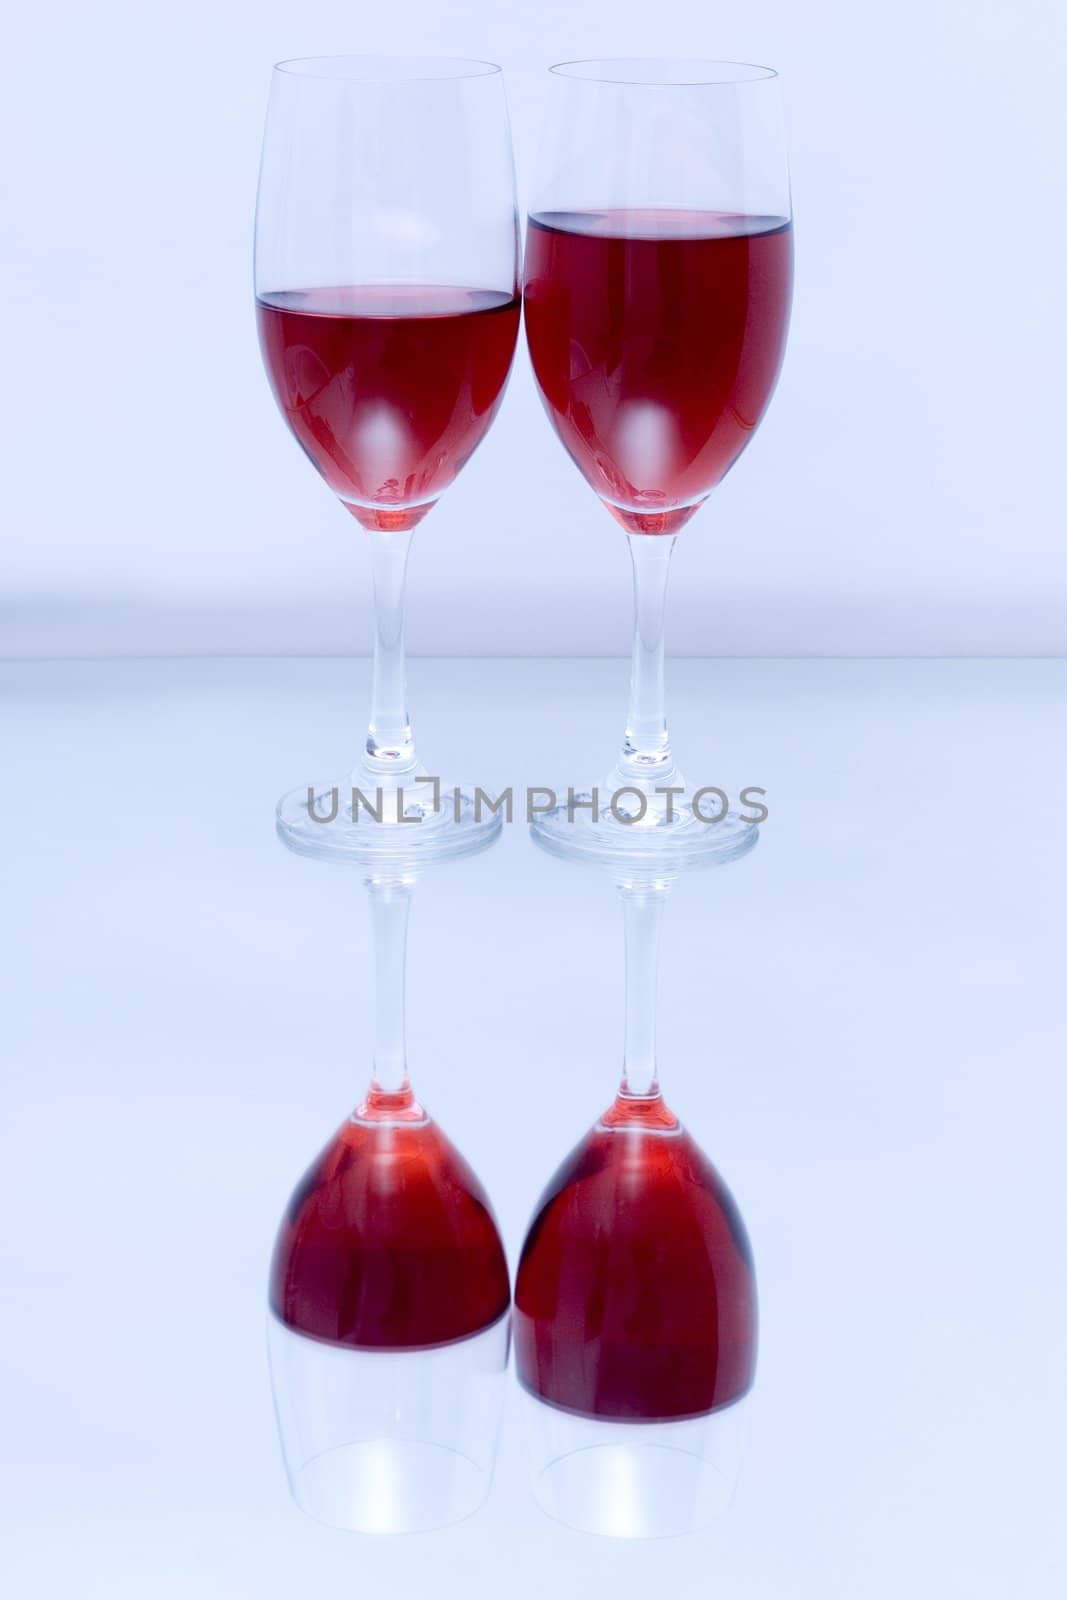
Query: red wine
(388,388)
(656,338)
(636,1298)
(389,1242)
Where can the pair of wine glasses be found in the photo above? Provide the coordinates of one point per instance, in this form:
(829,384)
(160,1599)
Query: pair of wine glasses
(657,284)
(656,291)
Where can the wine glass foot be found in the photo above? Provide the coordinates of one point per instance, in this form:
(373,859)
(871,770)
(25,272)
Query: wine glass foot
(387,827)
(655,841)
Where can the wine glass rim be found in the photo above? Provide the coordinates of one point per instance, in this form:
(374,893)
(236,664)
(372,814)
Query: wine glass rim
(387,69)
(675,73)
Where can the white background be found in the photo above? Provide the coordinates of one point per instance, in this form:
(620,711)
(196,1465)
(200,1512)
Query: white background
(904,496)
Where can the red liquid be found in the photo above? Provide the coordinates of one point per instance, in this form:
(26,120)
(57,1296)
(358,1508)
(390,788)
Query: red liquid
(389,1242)
(635,1297)
(390,389)
(656,338)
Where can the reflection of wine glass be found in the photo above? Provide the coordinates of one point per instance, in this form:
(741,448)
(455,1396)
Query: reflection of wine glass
(657,287)
(635,1302)
(387,302)
(389,1297)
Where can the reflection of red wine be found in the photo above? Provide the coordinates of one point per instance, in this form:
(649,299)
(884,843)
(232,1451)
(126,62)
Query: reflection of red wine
(656,337)
(635,1297)
(389,1241)
(389,388)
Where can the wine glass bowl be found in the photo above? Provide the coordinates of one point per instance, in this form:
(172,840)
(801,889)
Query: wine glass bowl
(635,1298)
(656,335)
(389,1241)
(388,388)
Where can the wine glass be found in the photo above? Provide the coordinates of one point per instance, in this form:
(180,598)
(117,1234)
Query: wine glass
(657,288)
(386,279)
(389,1321)
(635,1300)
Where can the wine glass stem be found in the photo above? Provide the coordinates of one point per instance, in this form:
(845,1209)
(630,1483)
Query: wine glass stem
(646,756)
(642,907)
(390,747)
(390,900)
